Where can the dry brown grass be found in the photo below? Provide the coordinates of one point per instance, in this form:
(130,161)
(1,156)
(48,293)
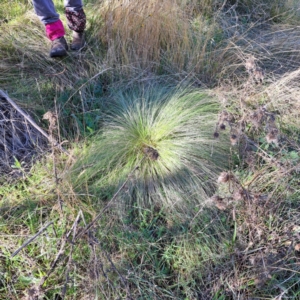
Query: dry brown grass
(156,35)
(284,95)
(20,141)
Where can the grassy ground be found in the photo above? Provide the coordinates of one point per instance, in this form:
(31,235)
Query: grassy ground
(180,175)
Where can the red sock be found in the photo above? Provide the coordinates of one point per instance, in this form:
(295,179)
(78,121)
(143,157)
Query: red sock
(55,30)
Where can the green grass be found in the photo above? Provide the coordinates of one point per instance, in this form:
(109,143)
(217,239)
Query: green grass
(11,9)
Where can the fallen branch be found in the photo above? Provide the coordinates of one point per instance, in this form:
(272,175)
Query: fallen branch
(31,121)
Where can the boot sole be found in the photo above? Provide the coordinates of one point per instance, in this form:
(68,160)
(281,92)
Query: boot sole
(77,48)
(59,54)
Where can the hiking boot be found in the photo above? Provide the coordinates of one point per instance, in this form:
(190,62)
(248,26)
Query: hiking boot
(59,47)
(78,41)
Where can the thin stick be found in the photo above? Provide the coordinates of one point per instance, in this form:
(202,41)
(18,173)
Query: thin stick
(73,229)
(64,289)
(31,239)
(61,251)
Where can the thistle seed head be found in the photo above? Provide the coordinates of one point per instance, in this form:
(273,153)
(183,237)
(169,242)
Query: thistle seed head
(233,139)
(250,64)
(216,134)
(272,135)
(224,177)
(272,138)
(239,194)
(222,126)
(259,75)
(218,202)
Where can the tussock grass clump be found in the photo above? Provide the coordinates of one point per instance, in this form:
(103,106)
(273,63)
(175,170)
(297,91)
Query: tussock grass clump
(166,133)
(155,34)
(142,30)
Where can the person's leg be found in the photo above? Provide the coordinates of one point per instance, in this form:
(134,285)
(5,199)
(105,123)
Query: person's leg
(76,22)
(45,10)
(55,31)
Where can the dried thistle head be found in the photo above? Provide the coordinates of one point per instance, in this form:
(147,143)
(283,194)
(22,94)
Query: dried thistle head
(259,75)
(272,135)
(223,116)
(241,125)
(51,118)
(257,117)
(222,126)
(150,152)
(216,134)
(271,138)
(218,202)
(226,117)
(224,177)
(239,194)
(250,63)
(233,139)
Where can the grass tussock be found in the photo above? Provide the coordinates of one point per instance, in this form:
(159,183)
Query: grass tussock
(157,35)
(168,134)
